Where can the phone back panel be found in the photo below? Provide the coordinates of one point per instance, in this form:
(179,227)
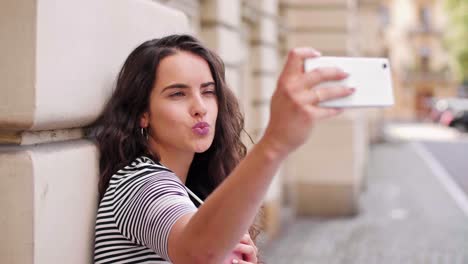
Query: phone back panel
(370,76)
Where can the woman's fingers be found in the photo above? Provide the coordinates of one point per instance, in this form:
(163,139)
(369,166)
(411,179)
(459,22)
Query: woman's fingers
(322,113)
(317,95)
(295,61)
(324,74)
(246,239)
(293,108)
(248,252)
(240,261)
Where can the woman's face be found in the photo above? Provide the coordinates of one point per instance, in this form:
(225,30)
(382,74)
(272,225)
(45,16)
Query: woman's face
(183,105)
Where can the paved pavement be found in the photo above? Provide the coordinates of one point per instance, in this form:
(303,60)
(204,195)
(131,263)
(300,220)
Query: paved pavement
(406,216)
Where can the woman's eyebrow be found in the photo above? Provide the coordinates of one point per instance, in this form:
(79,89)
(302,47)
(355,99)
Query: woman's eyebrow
(182,85)
(175,85)
(206,84)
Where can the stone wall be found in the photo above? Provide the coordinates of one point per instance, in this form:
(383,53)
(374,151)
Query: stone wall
(61,60)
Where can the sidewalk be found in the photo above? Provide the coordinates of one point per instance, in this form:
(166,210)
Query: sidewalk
(405,217)
(397,132)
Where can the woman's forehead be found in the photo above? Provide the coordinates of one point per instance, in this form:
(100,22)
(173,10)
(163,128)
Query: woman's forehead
(183,67)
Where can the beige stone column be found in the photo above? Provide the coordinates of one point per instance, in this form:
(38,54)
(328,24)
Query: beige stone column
(264,50)
(327,25)
(326,173)
(220,30)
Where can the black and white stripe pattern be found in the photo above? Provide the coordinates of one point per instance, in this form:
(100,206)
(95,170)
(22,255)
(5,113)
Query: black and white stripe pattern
(134,218)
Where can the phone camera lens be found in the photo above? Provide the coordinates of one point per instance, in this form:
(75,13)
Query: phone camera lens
(384,65)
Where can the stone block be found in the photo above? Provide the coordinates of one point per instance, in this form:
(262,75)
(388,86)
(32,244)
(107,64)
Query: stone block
(48,199)
(60,58)
(225,42)
(264,59)
(326,200)
(233,81)
(263,87)
(329,43)
(270,7)
(271,219)
(266,31)
(328,19)
(261,117)
(375,124)
(226,12)
(327,171)
(315,2)
(261,92)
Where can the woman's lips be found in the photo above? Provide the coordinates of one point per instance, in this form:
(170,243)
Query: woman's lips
(201,128)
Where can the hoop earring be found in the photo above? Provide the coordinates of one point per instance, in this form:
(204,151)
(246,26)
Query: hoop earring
(144,133)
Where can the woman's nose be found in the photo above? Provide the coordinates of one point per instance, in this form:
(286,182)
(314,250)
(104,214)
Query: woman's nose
(198,106)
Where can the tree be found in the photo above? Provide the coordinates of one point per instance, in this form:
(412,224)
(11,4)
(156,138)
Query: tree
(457,37)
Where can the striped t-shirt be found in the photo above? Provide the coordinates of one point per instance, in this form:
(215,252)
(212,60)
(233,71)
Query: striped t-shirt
(139,207)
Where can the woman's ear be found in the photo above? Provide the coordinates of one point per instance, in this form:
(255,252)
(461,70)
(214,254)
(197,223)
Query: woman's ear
(144,120)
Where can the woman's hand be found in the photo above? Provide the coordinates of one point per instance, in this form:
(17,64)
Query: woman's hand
(294,105)
(245,252)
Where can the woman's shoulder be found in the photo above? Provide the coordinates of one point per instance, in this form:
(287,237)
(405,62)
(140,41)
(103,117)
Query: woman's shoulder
(146,162)
(143,163)
(142,168)
(144,176)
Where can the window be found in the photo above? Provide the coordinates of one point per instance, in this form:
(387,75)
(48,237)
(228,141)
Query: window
(425,17)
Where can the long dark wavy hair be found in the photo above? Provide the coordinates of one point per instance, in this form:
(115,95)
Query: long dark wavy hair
(119,135)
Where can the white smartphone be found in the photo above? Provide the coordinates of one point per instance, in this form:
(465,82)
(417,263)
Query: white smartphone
(371,77)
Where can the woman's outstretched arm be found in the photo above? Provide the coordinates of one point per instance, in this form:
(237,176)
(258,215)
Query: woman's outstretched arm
(210,234)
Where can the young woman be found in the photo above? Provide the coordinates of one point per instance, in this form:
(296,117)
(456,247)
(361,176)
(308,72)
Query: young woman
(176,183)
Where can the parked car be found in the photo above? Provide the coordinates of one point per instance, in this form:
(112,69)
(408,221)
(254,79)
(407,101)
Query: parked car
(451,112)
(460,121)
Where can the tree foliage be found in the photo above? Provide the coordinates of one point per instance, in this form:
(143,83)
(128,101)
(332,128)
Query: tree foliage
(457,36)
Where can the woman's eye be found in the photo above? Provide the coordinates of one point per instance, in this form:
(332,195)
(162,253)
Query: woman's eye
(177,94)
(209,92)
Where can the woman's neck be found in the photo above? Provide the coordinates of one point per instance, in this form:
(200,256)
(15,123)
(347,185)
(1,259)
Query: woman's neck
(177,161)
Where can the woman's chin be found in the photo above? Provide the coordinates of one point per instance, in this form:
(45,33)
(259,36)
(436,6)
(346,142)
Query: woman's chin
(201,149)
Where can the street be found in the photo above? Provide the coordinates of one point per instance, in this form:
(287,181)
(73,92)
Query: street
(453,156)
(406,214)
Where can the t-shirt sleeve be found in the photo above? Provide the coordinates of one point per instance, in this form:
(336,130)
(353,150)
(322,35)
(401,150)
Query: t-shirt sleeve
(149,206)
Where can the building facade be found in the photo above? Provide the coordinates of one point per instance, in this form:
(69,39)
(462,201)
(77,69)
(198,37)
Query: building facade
(413,32)
(45,106)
